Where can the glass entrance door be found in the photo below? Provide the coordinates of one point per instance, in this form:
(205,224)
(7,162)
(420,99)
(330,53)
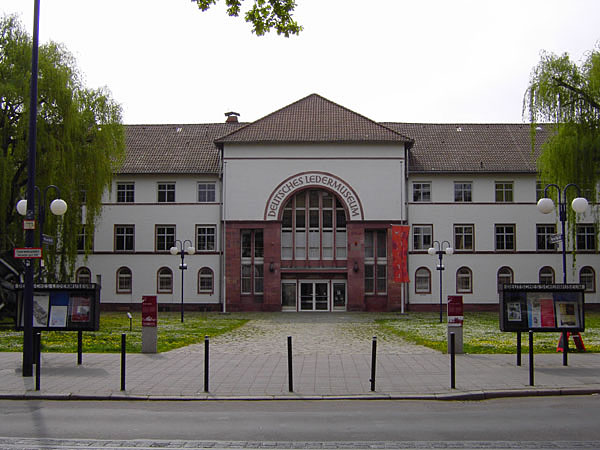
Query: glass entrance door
(288,296)
(314,296)
(339,296)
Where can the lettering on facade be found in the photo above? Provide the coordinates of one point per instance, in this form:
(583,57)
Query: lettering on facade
(314,179)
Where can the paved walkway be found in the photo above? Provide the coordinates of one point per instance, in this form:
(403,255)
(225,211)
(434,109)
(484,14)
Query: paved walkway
(331,359)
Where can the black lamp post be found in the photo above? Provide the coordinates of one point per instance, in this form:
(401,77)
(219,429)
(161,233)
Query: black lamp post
(179,248)
(441,251)
(546,206)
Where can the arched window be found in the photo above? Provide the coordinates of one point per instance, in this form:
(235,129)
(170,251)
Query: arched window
(464,281)
(205,281)
(587,276)
(314,227)
(83,275)
(504,276)
(164,281)
(124,280)
(423,281)
(546,275)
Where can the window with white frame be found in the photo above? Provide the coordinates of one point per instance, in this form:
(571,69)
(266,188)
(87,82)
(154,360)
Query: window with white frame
(587,277)
(422,281)
(205,281)
(164,237)
(505,276)
(124,280)
(544,232)
(252,261)
(83,275)
(421,191)
(164,281)
(125,192)
(375,261)
(546,275)
(206,238)
(422,237)
(464,281)
(166,192)
(463,191)
(464,237)
(313,226)
(207,192)
(124,238)
(586,237)
(84,239)
(539,190)
(504,191)
(505,237)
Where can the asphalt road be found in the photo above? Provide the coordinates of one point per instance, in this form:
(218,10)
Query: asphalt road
(517,420)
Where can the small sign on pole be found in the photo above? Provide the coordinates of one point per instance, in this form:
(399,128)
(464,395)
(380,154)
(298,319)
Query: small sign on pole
(455,322)
(149,321)
(29,224)
(27,253)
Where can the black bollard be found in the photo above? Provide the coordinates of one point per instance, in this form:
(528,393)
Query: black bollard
(452,361)
(373,362)
(531,383)
(565,339)
(79,347)
(518,348)
(38,360)
(206,361)
(123,351)
(290,370)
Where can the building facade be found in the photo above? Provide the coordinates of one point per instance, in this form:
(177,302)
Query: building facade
(297,211)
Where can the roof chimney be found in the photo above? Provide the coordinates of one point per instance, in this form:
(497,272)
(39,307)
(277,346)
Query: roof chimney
(232,117)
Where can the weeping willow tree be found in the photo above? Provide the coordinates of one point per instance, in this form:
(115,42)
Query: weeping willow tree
(80,143)
(567,95)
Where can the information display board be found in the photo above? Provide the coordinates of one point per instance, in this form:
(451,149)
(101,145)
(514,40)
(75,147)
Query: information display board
(542,307)
(62,306)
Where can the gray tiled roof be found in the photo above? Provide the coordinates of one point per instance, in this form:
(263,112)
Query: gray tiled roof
(172,149)
(313,119)
(471,148)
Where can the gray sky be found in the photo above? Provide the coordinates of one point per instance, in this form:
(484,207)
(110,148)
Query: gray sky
(390,60)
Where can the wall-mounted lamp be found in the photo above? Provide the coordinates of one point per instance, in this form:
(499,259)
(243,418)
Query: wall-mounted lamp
(355,268)
(272,267)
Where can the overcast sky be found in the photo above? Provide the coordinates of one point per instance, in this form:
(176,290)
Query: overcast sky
(391,60)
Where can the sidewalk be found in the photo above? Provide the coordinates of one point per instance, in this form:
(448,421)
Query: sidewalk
(180,375)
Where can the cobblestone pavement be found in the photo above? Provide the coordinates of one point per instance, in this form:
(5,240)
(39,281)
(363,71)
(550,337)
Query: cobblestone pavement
(312,333)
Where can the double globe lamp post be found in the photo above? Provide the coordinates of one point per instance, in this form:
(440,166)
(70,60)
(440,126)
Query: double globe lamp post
(181,249)
(443,248)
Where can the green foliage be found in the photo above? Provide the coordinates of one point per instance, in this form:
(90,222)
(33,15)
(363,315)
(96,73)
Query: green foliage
(172,333)
(481,333)
(264,15)
(567,95)
(80,142)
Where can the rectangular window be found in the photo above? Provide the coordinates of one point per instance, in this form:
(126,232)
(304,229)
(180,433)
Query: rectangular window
(166,192)
(543,233)
(421,192)
(252,264)
(84,239)
(505,237)
(539,190)
(464,237)
(586,237)
(164,238)
(463,191)
(422,237)
(504,191)
(207,192)
(375,261)
(124,238)
(206,238)
(125,192)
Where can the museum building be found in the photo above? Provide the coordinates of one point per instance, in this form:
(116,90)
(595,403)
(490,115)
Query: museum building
(317,208)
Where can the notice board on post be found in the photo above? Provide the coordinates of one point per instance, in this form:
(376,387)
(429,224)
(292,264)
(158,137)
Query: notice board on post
(62,306)
(542,307)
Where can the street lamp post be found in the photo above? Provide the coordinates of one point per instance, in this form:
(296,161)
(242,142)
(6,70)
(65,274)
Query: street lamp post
(546,206)
(179,248)
(448,250)
(58,207)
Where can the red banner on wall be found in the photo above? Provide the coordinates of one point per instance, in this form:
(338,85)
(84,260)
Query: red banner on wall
(400,235)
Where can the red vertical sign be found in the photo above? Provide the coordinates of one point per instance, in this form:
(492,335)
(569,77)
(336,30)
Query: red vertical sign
(149,311)
(399,252)
(455,310)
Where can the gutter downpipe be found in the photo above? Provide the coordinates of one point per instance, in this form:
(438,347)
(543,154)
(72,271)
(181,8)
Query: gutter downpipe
(224,232)
(405,300)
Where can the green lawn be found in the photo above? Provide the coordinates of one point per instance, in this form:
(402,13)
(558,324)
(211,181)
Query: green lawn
(481,333)
(171,333)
